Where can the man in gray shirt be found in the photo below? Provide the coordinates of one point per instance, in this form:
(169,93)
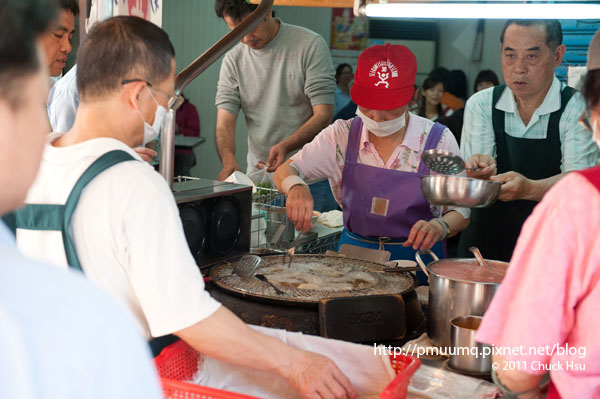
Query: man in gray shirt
(282,77)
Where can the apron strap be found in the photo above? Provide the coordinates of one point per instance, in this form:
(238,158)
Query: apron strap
(10,220)
(353,141)
(52,217)
(45,217)
(497,115)
(98,166)
(553,132)
(502,157)
(554,121)
(433,139)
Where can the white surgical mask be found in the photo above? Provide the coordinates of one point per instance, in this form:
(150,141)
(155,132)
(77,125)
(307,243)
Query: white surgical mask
(382,129)
(151,132)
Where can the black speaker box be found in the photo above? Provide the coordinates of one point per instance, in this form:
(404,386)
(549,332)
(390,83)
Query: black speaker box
(216,219)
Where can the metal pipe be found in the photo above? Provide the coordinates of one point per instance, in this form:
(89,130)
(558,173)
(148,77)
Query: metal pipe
(217,50)
(167,144)
(191,72)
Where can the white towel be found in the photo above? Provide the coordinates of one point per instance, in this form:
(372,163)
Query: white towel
(331,218)
(368,372)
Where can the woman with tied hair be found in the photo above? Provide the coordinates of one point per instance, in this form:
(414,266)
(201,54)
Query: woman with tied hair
(549,298)
(343,77)
(431,106)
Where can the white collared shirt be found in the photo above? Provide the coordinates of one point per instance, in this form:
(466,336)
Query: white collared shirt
(578,149)
(63,101)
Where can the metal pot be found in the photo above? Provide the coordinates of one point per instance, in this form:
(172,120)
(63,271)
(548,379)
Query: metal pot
(467,354)
(454,295)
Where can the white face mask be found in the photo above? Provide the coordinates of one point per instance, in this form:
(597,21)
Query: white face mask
(151,132)
(382,129)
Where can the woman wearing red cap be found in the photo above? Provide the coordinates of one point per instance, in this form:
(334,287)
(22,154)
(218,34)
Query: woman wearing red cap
(373,163)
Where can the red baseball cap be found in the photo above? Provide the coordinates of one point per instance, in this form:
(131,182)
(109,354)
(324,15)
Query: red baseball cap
(385,77)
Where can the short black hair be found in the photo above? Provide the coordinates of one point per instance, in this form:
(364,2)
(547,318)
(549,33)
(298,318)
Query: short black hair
(340,69)
(21,22)
(122,48)
(234,9)
(457,84)
(69,5)
(441,74)
(554,35)
(486,75)
(591,88)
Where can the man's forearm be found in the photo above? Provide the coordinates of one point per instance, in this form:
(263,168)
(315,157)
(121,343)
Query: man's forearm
(225,145)
(540,187)
(309,129)
(225,136)
(225,337)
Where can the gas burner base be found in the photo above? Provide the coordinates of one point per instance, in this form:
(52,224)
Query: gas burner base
(306,319)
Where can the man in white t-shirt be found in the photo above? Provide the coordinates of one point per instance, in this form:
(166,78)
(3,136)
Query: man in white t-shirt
(125,77)
(60,335)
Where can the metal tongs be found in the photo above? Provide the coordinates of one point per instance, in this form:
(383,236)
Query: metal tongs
(292,250)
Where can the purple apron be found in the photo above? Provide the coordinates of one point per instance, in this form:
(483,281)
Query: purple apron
(381,202)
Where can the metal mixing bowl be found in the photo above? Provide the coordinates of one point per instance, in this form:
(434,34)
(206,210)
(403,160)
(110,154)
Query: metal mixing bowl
(460,191)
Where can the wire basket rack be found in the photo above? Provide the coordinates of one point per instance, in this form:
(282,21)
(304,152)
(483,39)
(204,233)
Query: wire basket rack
(268,215)
(321,244)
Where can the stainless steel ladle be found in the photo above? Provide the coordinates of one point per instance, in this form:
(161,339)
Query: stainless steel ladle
(479,257)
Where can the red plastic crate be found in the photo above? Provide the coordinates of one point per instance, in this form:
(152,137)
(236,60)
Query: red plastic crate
(179,362)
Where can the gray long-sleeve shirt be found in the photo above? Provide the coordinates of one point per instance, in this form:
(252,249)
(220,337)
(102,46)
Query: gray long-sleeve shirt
(276,86)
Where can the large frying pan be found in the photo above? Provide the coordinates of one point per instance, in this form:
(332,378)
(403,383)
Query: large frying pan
(318,277)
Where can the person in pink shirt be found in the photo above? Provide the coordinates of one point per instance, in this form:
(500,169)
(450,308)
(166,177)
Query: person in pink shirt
(545,315)
(373,163)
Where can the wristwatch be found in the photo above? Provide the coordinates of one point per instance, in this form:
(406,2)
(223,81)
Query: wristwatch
(445,226)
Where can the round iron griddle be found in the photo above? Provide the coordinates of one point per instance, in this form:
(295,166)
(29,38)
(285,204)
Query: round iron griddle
(341,277)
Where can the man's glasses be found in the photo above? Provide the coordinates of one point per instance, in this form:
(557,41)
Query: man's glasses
(127,81)
(585,120)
